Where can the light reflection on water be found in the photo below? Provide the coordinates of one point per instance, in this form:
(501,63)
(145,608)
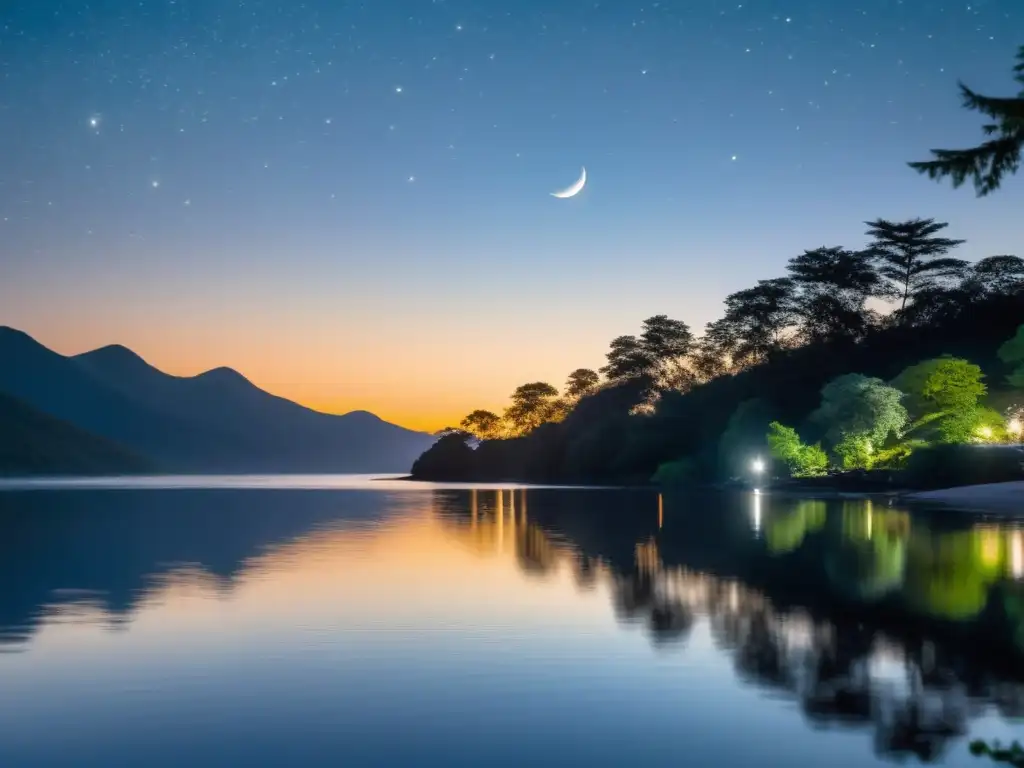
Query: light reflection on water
(371,625)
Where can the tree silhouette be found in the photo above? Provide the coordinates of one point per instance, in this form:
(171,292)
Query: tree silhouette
(666,339)
(834,286)
(658,353)
(483,424)
(714,351)
(999,274)
(532,405)
(756,320)
(911,256)
(581,382)
(989,162)
(627,359)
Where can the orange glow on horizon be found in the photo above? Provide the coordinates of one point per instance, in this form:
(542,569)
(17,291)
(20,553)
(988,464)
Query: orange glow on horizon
(421,382)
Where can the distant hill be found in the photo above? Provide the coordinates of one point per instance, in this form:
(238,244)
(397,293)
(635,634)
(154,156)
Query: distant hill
(33,443)
(217,421)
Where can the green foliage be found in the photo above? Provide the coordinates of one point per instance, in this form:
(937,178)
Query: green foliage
(854,452)
(990,161)
(801,460)
(1012,755)
(862,408)
(786,531)
(1012,353)
(896,456)
(946,387)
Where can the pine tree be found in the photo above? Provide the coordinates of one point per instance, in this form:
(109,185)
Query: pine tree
(912,257)
(989,162)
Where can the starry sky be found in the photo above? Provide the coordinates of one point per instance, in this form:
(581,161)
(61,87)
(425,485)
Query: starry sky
(349,202)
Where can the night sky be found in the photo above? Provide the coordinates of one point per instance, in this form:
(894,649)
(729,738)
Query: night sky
(349,202)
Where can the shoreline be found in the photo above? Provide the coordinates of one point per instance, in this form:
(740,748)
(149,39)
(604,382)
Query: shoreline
(990,497)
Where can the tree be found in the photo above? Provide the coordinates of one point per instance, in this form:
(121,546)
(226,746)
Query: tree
(658,352)
(712,354)
(667,342)
(666,339)
(856,409)
(627,360)
(756,320)
(483,424)
(834,286)
(854,451)
(942,395)
(942,384)
(532,405)
(449,458)
(1012,353)
(581,382)
(802,460)
(912,258)
(990,161)
(998,274)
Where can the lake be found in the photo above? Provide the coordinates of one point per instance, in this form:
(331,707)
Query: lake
(349,622)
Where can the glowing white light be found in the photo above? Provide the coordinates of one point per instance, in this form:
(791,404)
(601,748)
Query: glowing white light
(1015,427)
(757,465)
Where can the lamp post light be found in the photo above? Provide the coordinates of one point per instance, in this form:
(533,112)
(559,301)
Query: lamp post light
(757,467)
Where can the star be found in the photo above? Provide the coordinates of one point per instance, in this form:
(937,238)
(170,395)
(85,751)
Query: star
(458,27)
(94,122)
(735,157)
(398,89)
(154,184)
(187,203)
(412,179)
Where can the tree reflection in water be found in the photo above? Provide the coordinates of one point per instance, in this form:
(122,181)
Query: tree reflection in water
(864,615)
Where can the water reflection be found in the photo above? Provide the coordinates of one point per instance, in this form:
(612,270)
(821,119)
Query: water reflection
(935,639)
(900,628)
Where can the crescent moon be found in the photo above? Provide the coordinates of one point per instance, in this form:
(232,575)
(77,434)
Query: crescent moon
(574,189)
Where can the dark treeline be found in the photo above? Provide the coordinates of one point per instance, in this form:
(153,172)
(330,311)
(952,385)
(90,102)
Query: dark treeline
(667,397)
(711,400)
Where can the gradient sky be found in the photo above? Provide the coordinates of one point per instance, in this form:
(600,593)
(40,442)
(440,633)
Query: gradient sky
(349,202)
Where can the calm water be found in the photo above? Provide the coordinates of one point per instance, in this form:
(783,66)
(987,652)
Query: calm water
(355,623)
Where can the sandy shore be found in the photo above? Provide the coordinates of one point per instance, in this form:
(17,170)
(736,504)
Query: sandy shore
(997,497)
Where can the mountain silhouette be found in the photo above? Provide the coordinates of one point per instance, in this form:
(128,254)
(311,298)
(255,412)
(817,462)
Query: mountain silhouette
(217,421)
(32,442)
